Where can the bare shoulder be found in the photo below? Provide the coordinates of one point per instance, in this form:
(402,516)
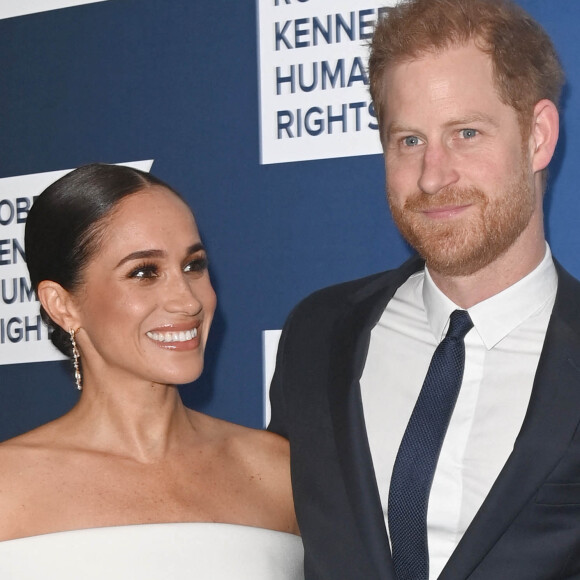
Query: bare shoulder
(13,453)
(26,464)
(42,437)
(265,458)
(265,446)
(256,445)
(23,459)
(260,463)
(20,448)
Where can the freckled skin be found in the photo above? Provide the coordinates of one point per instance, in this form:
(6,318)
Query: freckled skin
(130,452)
(116,310)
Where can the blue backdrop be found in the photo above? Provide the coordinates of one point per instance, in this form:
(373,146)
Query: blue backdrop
(176,82)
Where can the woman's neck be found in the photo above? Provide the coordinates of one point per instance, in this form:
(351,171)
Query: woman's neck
(130,417)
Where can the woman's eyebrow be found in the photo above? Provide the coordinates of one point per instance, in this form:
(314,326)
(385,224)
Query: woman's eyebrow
(140,254)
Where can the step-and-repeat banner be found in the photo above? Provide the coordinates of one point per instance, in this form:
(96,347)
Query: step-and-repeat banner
(314,100)
(258,112)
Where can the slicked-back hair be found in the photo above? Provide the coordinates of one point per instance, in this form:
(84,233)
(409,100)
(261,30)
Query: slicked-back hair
(65,225)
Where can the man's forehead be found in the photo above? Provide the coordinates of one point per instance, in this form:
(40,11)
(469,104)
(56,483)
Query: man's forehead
(473,46)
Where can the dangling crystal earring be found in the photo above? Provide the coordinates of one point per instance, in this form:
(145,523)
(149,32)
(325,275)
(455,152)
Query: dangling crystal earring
(76,357)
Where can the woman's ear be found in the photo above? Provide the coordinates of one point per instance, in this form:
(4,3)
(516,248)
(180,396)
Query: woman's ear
(59,304)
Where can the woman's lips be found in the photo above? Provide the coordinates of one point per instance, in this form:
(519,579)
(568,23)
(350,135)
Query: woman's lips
(173,335)
(184,336)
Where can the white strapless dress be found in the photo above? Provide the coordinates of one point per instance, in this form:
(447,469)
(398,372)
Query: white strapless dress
(180,551)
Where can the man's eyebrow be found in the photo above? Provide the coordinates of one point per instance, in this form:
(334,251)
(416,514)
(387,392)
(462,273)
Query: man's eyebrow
(396,127)
(473,118)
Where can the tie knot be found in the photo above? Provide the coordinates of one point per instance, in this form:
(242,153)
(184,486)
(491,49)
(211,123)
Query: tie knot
(459,324)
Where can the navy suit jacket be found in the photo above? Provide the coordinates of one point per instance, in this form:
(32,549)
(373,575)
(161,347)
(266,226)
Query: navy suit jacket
(528,526)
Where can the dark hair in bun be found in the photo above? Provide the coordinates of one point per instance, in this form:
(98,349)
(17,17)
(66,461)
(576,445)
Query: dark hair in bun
(65,224)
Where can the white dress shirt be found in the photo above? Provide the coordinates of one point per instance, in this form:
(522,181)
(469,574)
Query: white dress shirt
(502,351)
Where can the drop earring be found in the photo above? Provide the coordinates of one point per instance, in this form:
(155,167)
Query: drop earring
(76,357)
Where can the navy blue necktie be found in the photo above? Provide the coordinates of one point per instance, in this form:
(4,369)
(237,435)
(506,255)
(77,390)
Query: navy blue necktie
(419,452)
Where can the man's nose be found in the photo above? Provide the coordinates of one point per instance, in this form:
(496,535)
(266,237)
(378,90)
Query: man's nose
(438,169)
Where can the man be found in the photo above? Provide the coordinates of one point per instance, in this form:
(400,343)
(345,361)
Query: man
(466,94)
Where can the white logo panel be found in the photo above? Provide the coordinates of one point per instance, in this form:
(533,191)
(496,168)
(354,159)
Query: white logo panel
(270,339)
(11,8)
(314,99)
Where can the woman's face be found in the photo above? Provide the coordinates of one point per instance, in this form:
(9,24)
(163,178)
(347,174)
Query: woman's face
(146,301)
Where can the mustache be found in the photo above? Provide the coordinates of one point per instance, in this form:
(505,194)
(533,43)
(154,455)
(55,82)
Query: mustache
(449,196)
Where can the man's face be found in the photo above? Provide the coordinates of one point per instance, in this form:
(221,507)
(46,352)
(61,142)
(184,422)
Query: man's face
(459,179)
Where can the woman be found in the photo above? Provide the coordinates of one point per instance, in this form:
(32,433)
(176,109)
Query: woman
(118,266)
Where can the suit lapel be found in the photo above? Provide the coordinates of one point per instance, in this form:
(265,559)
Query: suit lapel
(551,420)
(349,354)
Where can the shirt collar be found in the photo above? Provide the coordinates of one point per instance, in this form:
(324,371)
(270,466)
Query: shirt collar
(499,315)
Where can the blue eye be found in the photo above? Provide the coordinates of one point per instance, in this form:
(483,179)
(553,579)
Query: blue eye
(468,133)
(411,141)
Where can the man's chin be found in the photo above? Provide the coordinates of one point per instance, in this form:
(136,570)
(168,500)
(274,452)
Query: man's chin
(464,258)
(454,266)
(450,252)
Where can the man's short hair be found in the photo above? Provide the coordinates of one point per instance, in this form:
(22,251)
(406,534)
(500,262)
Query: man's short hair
(526,67)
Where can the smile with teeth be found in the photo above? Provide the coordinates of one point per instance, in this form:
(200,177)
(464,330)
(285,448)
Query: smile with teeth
(182,336)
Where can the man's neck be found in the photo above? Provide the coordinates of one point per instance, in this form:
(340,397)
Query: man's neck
(503,272)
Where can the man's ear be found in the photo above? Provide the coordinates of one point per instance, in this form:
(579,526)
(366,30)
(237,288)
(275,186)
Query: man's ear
(544,135)
(59,304)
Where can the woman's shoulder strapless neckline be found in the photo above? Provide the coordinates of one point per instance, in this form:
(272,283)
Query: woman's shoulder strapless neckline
(176,551)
